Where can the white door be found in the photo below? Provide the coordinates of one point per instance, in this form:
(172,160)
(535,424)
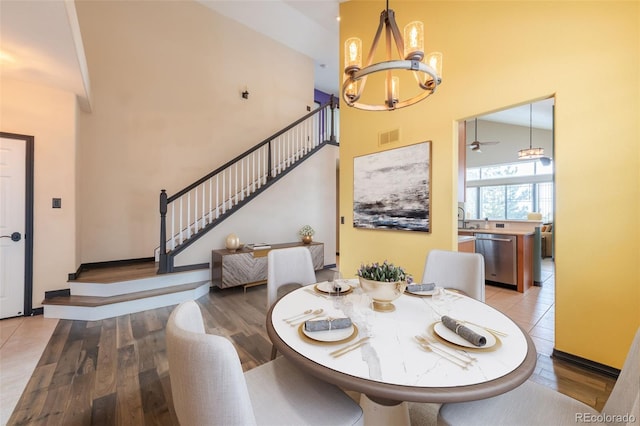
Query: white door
(12,225)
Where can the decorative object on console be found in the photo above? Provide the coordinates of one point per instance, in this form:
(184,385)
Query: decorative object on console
(306,232)
(384,283)
(232,242)
(378,203)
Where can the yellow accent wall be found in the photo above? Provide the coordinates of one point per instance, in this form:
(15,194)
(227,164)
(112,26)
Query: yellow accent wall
(502,54)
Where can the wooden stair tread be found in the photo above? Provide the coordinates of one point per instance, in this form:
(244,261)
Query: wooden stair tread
(118,273)
(94,301)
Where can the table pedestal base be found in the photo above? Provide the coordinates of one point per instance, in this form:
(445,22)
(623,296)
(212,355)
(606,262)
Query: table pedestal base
(384,415)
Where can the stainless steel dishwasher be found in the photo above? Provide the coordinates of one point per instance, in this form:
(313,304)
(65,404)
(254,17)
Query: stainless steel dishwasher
(500,257)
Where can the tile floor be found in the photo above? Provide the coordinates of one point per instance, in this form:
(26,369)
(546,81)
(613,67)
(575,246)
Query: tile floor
(534,310)
(23,339)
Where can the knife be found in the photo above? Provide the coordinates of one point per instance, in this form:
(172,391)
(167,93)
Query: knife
(349,348)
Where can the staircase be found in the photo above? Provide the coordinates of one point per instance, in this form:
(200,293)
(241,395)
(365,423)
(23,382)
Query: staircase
(193,211)
(120,290)
(101,293)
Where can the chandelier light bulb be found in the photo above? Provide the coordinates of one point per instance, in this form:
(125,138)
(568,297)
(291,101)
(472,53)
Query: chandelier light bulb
(352,90)
(414,41)
(353,54)
(395,92)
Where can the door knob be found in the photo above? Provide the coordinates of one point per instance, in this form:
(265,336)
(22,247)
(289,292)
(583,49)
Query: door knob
(14,237)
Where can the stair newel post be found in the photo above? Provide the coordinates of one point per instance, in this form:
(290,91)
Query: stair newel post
(332,105)
(162,267)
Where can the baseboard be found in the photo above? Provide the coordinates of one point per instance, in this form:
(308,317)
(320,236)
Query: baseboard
(37,311)
(75,275)
(194,267)
(108,264)
(65,292)
(586,363)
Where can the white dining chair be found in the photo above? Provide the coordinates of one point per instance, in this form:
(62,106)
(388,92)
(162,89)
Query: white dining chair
(534,404)
(288,266)
(457,270)
(209,387)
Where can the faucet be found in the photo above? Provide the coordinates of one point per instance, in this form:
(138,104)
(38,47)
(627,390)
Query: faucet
(464,223)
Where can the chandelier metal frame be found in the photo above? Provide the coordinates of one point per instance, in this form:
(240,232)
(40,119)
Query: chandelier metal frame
(355,75)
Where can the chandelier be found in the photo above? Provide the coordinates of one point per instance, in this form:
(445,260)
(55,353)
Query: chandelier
(530,153)
(427,75)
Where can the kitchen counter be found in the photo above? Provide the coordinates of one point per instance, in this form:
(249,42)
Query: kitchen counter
(524,247)
(500,231)
(467,243)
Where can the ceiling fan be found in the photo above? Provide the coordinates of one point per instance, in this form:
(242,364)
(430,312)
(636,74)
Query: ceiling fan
(476,144)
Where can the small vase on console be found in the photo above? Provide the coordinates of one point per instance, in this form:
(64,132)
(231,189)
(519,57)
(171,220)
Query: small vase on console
(232,243)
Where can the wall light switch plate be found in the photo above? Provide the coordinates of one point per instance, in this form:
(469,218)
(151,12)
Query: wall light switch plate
(56,203)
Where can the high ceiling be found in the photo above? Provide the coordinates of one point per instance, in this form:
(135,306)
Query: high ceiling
(37,44)
(40,42)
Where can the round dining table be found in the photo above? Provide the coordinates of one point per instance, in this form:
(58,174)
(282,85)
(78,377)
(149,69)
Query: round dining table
(406,355)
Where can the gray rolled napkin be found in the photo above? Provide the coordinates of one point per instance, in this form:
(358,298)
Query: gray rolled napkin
(327,324)
(337,288)
(421,287)
(464,332)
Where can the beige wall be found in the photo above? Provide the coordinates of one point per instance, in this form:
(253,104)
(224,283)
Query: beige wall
(306,196)
(166,80)
(502,54)
(49,115)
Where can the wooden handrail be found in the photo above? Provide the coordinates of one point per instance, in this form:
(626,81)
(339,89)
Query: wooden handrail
(331,104)
(166,258)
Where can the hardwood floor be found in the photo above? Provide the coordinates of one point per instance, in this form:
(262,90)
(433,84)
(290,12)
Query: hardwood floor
(115,372)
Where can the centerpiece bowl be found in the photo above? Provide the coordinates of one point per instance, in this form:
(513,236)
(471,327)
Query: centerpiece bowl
(384,282)
(383,293)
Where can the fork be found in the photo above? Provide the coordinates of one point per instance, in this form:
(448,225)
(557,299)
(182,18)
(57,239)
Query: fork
(291,318)
(430,348)
(316,314)
(463,356)
(310,291)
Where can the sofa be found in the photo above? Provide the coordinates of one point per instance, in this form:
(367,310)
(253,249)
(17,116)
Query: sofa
(546,233)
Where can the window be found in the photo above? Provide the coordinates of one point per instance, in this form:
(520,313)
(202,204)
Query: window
(510,191)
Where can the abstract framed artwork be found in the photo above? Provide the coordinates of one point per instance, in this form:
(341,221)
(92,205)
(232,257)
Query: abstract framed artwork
(392,189)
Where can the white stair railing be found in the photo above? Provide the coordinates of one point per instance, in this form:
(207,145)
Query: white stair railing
(191,210)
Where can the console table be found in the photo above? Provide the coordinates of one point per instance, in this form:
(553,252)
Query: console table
(248,267)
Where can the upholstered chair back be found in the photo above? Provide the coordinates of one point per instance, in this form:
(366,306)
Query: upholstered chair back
(207,382)
(625,394)
(288,266)
(459,270)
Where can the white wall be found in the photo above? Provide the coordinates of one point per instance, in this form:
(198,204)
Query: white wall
(307,195)
(49,115)
(166,81)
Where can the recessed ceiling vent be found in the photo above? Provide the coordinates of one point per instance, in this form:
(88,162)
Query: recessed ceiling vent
(386,138)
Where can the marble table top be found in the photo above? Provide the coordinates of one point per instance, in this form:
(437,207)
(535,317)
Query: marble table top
(392,364)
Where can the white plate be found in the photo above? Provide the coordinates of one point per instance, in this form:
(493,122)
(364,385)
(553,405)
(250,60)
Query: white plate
(329,335)
(327,287)
(422,293)
(448,335)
